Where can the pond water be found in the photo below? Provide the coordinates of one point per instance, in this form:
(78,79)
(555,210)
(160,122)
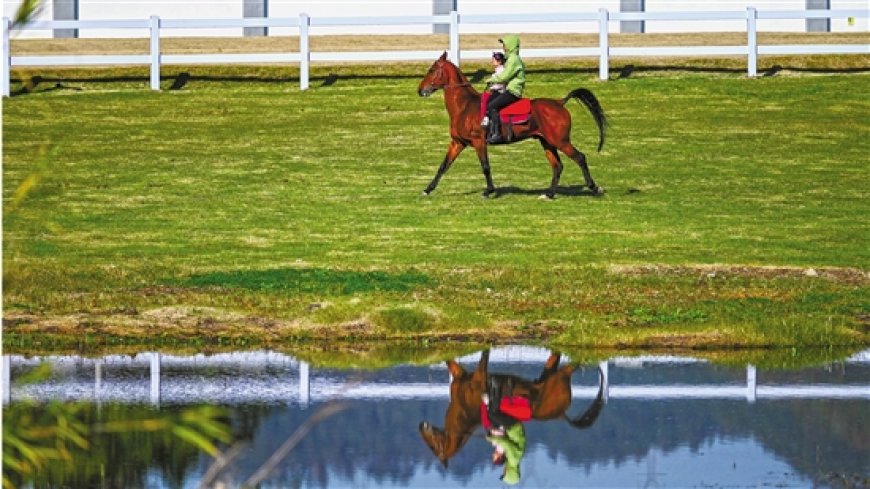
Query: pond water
(659,421)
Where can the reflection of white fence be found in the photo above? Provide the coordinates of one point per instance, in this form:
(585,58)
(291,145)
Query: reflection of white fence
(299,386)
(305,24)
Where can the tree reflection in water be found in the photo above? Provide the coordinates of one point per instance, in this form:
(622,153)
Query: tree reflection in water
(86,444)
(115,445)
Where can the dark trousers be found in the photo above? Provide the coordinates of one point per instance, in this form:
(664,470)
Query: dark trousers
(499,101)
(496,103)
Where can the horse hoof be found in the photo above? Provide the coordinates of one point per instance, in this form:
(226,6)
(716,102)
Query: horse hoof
(598,190)
(547,197)
(425,193)
(488,193)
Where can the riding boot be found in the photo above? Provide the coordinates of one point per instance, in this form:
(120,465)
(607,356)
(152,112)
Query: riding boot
(494,136)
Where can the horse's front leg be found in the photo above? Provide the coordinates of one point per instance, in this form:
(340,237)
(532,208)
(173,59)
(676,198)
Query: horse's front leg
(453,151)
(483,156)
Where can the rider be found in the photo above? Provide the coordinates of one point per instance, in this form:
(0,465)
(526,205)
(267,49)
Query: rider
(493,88)
(502,417)
(514,78)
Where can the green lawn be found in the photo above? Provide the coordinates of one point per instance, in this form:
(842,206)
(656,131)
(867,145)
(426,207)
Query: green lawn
(241,208)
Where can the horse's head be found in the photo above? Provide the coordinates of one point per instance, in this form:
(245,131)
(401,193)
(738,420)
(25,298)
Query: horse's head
(437,77)
(463,412)
(443,446)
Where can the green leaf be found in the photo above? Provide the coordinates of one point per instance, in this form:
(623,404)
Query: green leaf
(196,439)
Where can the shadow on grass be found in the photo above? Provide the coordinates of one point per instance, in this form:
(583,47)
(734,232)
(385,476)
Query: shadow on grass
(571,191)
(40,83)
(309,280)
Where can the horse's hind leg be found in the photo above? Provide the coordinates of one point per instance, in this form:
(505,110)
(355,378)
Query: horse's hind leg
(452,152)
(555,164)
(580,158)
(551,366)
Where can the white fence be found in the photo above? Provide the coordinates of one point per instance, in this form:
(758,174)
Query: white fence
(274,377)
(154,26)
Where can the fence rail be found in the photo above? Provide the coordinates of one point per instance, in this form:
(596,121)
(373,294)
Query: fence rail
(291,380)
(454,20)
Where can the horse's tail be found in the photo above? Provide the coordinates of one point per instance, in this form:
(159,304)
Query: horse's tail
(591,414)
(591,103)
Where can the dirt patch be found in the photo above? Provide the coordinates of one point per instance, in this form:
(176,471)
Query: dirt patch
(179,314)
(209,327)
(687,341)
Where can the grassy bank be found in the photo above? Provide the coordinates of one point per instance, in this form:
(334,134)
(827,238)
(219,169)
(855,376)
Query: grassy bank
(236,210)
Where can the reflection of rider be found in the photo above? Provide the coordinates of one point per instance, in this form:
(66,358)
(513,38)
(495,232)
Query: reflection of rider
(510,446)
(514,78)
(502,418)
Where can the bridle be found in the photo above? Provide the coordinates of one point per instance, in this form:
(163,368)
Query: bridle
(440,74)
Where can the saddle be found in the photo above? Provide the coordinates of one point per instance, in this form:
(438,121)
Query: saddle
(518,112)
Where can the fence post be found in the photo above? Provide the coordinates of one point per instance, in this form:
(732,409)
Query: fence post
(155,52)
(304,51)
(155,378)
(605,378)
(7,364)
(454,37)
(751,383)
(752,41)
(304,384)
(603,43)
(98,382)
(7,58)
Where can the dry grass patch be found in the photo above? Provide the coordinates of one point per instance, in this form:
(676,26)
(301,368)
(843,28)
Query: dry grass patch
(838,274)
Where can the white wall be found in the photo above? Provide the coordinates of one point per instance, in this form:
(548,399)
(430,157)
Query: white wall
(217,9)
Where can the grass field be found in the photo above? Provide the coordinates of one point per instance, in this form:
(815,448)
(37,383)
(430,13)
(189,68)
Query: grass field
(238,210)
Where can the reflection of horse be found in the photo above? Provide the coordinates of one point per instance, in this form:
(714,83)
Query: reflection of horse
(549,396)
(549,122)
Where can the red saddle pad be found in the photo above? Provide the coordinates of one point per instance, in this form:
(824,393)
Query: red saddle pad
(516,407)
(517,112)
(521,107)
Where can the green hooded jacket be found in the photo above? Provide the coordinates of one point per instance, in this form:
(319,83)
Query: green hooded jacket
(514,444)
(514,73)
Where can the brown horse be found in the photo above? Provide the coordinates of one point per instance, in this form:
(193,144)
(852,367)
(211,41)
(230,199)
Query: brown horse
(549,123)
(549,396)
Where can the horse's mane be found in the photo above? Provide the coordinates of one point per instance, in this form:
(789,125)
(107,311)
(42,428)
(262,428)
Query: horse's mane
(463,80)
(462,77)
